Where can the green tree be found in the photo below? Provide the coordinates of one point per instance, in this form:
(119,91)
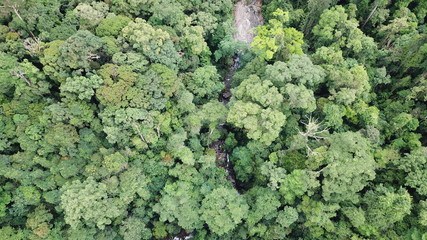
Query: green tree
(88,203)
(414,164)
(255,108)
(112,26)
(383,208)
(351,166)
(223,209)
(274,41)
(181,202)
(263,125)
(300,97)
(90,15)
(298,183)
(154,43)
(338,30)
(81,87)
(298,70)
(134,228)
(5,199)
(317,216)
(204,83)
(80,51)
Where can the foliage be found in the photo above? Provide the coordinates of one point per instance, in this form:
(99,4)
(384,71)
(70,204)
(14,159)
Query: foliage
(275,41)
(88,203)
(146,119)
(223,209)
(154,43)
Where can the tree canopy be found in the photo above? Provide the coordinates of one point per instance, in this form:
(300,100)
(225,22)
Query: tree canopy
(150,119)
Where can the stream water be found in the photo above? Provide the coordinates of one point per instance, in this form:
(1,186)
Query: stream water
(247,15)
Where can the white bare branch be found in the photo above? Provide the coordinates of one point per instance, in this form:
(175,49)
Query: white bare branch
(313,130)
(21,75)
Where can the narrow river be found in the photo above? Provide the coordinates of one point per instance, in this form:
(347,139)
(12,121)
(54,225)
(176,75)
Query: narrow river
(247,15)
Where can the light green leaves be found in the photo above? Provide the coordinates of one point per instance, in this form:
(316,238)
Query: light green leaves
(382,207)
(154,43)
(81,86)
(180,202)
(256,109)
(261,124)
(338,30)
(415,166)
(204,83)
(223,209)
(273,40)
(298,70)
(351,166)
(88,203)
(261,92)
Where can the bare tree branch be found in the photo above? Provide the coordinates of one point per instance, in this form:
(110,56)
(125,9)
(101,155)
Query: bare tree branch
(369,16)
(140,134)
(15,10)
(21,75)
(313,130)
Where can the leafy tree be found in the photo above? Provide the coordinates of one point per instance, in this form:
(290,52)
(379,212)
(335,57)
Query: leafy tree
(408,52)
(295,94)
(298,70)
(345,85)
(273,40)
(204,83)
(263,204)
(90,15)
(397,26)
(255,109)
(223,209)
(333,114)
(350,167)
(318,216)
(243,163)
(338,30)
(81,86)
(134,228)
(264,219)
(414,165)
(260,92)
(38,222)
(275,175)
(5,200)
(154,43)
(261,124)
(34,18)
(88,203)
(209,116)
(8,232)
(296,184)
(80,51)
(7,64)
(181,202)
(384,207)
(112,26)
